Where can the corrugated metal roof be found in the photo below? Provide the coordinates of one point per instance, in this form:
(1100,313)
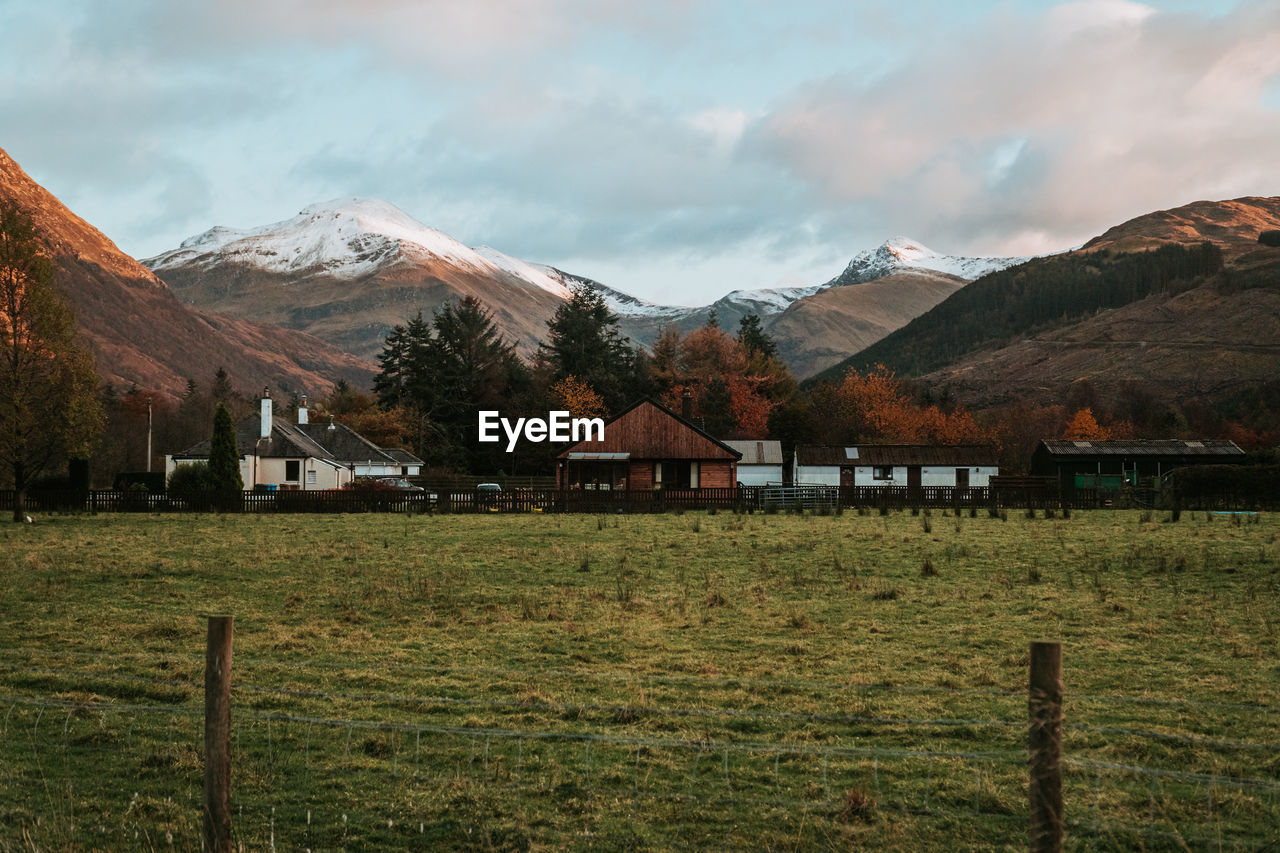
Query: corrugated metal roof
(757,452)
(1137,447)
(881,455)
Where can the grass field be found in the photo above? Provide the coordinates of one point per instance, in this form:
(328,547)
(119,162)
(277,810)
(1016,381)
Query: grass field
(703,681)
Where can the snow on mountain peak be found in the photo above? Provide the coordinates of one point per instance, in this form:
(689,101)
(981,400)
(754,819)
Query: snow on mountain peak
(902,253)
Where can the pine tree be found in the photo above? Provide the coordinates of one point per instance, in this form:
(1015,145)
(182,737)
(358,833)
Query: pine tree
(224,456)
(754,339)
(583,341)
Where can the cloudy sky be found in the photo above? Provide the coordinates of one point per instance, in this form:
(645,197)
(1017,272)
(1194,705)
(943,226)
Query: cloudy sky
(675,149)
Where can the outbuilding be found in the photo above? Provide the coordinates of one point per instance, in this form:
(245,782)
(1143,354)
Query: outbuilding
(1107,466)
(648,447)
(909,465)
(761,462)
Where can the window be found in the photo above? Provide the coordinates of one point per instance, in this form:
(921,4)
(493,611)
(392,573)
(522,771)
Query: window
(292,470)
(311,478)
(882,472)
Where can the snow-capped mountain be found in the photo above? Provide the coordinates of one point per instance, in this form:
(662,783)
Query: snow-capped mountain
(903,253)
(348,270)
(346,238)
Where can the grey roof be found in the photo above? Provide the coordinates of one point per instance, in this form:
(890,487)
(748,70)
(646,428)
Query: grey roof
(345,444)
(286,441)
(404,457)
(1157,447)
(757,452)
(896,454)
(331,442)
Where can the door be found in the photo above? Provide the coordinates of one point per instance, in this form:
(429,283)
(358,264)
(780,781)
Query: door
(962,478)
(913,479)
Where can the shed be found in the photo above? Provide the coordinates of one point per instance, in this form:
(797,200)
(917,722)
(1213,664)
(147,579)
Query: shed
(761,462)
(648,447)
(1108,465)
(911,465)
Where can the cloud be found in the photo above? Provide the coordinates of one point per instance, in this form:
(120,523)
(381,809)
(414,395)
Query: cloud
(1052,128)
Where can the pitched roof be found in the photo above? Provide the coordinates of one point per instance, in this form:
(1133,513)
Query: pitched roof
(345,444)
(286,441)
(332,442)
(660,431)
(1148,447)
(885,455)
(757,452)
(404,457)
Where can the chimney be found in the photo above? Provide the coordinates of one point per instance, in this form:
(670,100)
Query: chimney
(302,411)
(686,404)
(265,420)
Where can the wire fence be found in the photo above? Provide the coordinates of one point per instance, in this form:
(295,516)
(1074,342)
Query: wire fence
(99,752)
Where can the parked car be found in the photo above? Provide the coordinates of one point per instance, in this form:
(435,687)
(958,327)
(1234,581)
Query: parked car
(400,484)
(487,495)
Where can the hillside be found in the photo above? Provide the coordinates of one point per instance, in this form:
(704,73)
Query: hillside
(1184,300)
(141,334)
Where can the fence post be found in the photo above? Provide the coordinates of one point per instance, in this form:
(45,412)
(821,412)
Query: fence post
(1044,745)
(217,736)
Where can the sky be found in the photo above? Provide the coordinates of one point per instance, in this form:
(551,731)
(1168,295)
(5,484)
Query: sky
(672,149)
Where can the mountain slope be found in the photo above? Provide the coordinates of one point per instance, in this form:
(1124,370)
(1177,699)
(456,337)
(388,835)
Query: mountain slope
(140,334)
(1193,311)
(350,269)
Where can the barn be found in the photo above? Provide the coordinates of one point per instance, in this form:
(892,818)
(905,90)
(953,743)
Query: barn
(648,447)
(910,465)
(1106,466)
(761,462)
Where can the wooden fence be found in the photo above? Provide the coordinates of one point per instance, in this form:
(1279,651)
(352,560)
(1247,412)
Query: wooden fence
(446,500)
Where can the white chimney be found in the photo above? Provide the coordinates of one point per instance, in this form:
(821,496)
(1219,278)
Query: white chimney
(265,420)
(302,410)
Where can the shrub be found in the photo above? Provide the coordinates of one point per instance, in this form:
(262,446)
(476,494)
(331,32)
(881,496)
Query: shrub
(192,477)
(1269,238)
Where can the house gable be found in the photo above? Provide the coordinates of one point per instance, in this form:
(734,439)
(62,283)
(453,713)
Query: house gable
(649,430)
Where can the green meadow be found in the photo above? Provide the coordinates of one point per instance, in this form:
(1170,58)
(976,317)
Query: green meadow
(696,681)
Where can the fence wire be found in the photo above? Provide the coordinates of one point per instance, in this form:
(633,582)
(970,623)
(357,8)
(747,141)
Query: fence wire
(316,769)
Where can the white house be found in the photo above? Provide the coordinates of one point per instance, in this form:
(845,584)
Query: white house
(305,456)
(761,462)
(909,465)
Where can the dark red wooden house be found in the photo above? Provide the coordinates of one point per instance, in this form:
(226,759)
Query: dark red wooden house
(648,447)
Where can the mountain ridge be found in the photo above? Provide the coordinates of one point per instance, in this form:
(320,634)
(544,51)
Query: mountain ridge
(141,334)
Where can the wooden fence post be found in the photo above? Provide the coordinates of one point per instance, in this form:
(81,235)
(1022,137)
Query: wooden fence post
(217,736)
(1044,745)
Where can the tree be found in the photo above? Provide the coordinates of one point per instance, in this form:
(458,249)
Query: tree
(583,341)
(1083,426)
(224,457)
(49,410)
(578,398)
(754,339)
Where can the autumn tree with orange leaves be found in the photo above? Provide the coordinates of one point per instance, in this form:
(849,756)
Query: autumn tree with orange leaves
(579,398)
(874,407)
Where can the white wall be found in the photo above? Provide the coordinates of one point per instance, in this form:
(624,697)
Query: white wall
(759,475)
(929,476)
(818,475)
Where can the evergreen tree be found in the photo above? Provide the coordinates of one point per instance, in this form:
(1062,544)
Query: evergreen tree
(49,409)
(754,339)
(717,409)
(222,391)
(583,341)
(224,456)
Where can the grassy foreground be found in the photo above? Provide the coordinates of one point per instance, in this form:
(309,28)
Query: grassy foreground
(694,681)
